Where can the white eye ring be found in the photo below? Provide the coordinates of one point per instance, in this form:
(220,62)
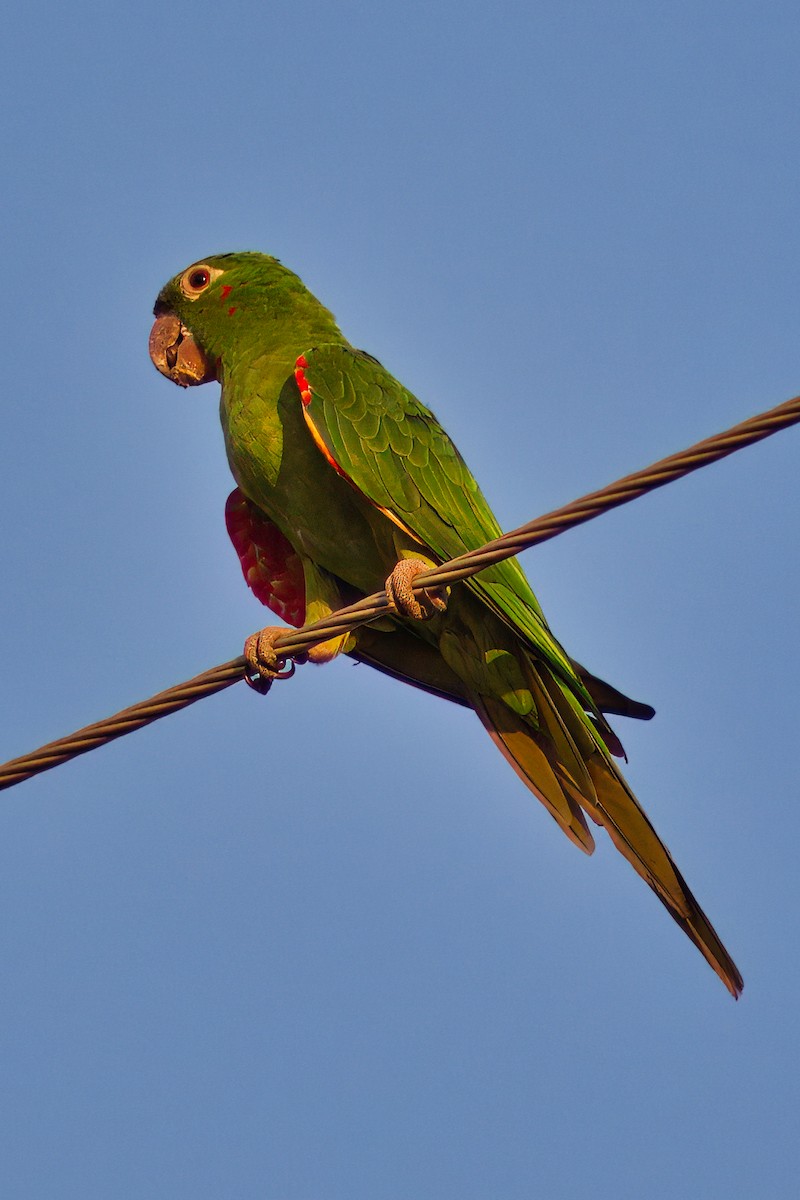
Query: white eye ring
(196,279)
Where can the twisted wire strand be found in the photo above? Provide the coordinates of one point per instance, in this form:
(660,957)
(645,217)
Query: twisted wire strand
(586,508)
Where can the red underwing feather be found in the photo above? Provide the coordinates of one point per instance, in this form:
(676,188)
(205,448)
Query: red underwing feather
(270,564)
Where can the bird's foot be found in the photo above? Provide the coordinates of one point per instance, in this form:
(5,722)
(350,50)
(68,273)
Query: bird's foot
(400,592)
(264,663)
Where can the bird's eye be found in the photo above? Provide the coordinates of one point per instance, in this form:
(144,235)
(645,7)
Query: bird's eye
(195,281)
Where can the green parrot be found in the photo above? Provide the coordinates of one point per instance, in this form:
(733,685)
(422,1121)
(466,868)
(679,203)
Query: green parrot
(347,483)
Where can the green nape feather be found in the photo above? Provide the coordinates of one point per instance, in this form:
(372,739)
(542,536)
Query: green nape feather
(357,473)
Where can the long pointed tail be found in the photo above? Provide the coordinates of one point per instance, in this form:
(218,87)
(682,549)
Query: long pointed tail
(567,766)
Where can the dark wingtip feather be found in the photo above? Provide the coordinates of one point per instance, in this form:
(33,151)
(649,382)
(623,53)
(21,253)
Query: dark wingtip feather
(611,700)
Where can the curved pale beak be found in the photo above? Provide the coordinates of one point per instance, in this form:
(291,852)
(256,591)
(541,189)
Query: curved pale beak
(177,355)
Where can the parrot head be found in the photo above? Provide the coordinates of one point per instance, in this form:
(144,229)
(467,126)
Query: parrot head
(219,303)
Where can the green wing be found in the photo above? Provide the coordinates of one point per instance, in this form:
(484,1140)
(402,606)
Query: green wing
(393,449)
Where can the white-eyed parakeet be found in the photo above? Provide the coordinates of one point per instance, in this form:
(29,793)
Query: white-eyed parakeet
(346,482)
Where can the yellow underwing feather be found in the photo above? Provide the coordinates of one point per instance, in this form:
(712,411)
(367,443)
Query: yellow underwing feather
(519,746)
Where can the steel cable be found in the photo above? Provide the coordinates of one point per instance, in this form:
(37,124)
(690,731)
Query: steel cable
(586,508)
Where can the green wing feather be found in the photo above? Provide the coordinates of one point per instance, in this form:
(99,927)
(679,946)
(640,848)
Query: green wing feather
(395,451)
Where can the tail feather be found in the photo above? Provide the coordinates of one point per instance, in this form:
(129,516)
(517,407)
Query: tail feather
(635,838)
(565,760)
(517,742)
(568,759)
(631,832)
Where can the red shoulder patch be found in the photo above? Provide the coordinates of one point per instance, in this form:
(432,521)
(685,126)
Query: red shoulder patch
(306,395)
(300,378)
(270,564)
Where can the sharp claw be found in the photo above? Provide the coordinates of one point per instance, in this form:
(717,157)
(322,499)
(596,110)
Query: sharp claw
(264,663)
(400,591)
(259,683)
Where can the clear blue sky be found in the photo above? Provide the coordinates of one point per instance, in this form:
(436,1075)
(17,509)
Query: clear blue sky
(324,946)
